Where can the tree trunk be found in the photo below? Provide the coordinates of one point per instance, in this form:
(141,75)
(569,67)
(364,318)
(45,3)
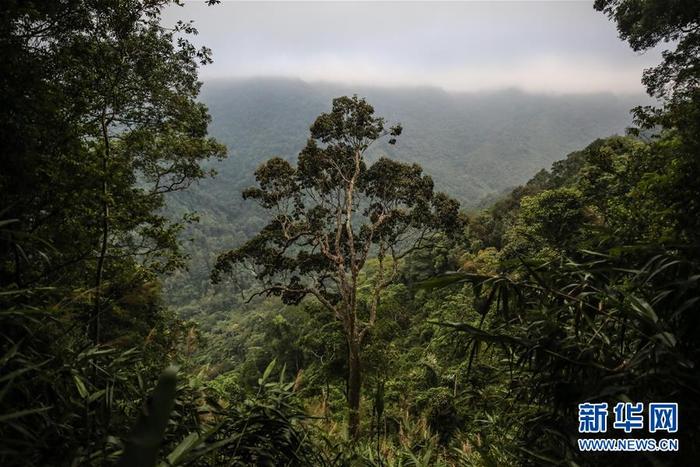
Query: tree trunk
(354,388)
(97,307)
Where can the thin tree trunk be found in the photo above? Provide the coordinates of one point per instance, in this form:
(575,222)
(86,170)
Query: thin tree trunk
(97,307)
(354,388)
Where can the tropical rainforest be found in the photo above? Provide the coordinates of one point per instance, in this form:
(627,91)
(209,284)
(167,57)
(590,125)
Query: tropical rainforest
(283,273)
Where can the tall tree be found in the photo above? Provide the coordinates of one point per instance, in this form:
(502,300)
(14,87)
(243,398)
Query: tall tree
(645,23)
(675,165)
(100,121)
(333,211)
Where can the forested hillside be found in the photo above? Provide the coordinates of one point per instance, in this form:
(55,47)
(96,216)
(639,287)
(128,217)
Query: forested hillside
(351,299)
(474,146)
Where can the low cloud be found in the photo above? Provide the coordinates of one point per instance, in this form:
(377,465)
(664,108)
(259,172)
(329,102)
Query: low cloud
(551,47)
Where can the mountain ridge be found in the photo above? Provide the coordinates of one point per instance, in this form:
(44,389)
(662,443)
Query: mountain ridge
(473,144)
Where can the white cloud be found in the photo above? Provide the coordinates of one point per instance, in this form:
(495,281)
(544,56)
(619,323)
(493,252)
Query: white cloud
(556,47)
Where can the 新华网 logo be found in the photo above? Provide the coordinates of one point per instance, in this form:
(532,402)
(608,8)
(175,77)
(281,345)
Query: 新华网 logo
(629,418)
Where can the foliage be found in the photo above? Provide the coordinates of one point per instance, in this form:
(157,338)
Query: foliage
(454,344)
(142,445)
(62,398)
(109,124)
(99,121)
(595,331)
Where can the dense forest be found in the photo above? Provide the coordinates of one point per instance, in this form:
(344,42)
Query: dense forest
(348,290)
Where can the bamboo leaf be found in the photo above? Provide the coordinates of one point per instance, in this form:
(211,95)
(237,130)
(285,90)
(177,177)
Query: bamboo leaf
(143,443)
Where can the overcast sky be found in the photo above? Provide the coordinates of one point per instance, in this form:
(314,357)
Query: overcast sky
(553,47)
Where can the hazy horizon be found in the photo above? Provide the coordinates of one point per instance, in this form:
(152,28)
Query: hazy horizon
(222,80)
(562,47)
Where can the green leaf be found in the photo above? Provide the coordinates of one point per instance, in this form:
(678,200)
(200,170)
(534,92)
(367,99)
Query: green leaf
(22,413)
(143,443)
(480,334)
(82,390)
(450,279)
(187,444)
(267,372)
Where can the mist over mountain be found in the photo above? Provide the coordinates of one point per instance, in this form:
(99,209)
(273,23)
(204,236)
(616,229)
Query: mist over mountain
(473,145)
